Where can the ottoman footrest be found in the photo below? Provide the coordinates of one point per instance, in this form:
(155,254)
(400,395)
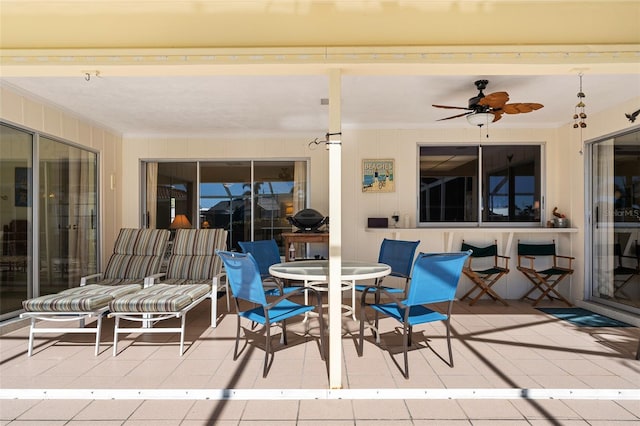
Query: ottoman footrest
(156,303)
(73,304)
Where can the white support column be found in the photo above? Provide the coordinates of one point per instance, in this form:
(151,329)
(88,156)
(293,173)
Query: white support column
(335,235)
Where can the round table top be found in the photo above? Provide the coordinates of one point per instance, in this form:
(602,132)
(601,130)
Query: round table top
(318,270)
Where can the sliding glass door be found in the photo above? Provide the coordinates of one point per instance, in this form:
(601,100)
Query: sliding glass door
(250,199)
(16,252)
(68,229)
(225,199)
(48,214)
(615,220)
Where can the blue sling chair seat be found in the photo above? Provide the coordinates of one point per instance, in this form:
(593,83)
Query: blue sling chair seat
(434,279)
(243,275)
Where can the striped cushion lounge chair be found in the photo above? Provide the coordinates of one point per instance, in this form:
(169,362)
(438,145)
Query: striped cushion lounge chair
(137,254)
(193,274)
(156,303)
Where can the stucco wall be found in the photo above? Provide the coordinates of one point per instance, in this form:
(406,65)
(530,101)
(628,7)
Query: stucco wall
(400,145)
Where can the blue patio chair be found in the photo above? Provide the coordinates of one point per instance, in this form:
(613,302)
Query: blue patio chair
(243,275)
(434,279)
(399,255)
(266,253)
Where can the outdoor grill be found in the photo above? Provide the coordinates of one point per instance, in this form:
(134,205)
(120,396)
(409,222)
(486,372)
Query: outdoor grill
(308,220)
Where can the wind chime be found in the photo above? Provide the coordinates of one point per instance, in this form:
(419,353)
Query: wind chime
(579,115)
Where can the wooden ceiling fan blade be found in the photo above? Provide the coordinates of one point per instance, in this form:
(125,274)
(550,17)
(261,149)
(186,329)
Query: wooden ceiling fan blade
(455,116)
(495,100)
(449,107)
(497,115)
(521,108)
(511,109)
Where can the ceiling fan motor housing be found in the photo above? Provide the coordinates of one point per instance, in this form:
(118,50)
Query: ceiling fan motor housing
(473,102)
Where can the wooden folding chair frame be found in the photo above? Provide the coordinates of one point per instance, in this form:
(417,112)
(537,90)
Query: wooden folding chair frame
(484,279)
(543,279)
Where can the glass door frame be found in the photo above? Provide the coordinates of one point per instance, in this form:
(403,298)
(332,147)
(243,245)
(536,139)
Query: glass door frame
(252,198)
(34,282)
(590,213)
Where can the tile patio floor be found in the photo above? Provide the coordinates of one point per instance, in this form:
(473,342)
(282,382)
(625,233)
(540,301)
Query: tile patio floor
(513,366)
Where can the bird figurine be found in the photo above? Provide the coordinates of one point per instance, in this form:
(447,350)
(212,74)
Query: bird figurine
(632,117)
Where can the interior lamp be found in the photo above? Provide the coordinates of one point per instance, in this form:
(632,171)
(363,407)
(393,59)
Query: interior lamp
(180,222)
(480,118)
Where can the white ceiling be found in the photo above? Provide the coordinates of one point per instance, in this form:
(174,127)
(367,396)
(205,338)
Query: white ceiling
(277,105)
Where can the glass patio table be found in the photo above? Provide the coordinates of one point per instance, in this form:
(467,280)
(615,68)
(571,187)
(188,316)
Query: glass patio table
(315,274)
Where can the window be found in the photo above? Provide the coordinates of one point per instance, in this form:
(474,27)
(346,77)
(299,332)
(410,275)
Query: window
(480,184)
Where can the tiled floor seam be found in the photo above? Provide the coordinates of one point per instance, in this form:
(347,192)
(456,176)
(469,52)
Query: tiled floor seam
(311,394)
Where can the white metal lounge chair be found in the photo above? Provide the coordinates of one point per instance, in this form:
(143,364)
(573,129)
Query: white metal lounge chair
(137,254)
(193,274)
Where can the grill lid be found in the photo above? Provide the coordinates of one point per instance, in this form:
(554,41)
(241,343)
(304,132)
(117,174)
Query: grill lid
(308,220)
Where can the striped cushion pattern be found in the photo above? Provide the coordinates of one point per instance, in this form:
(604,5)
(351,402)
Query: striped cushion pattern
(159,298)
(193,267)
(78,299)
(120,281)
(193,254)
(199,241)
(113,291)
(185,281)
(137,253)
(150,242)
(194,291)
(131,266)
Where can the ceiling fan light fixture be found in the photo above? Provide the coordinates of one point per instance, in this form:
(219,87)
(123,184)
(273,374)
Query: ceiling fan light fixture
(480,118)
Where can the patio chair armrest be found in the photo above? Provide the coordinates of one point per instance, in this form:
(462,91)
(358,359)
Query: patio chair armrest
(366,290)
(567,258)
(277,281)
(379,290)
(151,279)
(505,260)
(83,280)
(294,293)
(215,281)
(531,260)
(379,281)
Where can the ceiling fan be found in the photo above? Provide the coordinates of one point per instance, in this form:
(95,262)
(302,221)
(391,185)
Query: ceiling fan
(482,106)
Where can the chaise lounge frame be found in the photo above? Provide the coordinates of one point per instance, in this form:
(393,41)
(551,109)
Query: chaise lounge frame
(137,254)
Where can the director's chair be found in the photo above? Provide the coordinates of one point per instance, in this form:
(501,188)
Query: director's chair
(545,280)
(482,277)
